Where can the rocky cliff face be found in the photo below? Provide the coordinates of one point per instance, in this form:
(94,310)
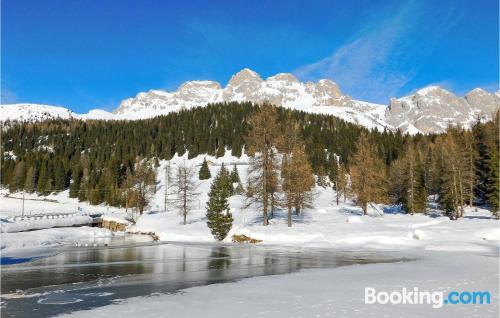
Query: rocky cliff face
(282,89)
(433,108)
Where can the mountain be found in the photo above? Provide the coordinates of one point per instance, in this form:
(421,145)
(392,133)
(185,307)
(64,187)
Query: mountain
(433,108)
(38,112)
(428,110)
(281,89)
(33,112)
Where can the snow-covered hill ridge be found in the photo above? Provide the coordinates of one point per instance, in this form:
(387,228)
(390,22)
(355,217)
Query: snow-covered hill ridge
(428,110)
(37,112)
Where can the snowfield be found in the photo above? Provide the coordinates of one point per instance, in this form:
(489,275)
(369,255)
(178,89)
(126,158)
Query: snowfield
(449,255)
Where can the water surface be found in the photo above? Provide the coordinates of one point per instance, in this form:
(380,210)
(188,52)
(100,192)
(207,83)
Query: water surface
(86,277)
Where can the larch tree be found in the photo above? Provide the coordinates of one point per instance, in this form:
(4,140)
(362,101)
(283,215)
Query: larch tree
(142,183)
(186,189)
(297,181)
(408,181)
(470,173)
(264,166)
(341,183)
(453,169)
(367,174)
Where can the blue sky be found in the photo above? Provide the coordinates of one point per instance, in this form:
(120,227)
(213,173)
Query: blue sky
(92,54)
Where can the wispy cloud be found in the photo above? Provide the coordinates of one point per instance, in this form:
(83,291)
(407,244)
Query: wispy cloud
(383,57)
(7,96)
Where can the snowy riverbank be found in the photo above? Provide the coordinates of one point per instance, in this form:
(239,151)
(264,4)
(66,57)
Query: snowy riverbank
(335,292)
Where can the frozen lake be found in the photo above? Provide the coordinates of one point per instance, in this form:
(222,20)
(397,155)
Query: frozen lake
(87,277)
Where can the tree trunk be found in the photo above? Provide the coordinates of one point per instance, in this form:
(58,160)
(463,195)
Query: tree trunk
(289,216)
(272,205)
(266,220)
(337,192)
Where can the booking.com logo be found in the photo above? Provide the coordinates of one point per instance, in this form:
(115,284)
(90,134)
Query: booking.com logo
(417,297)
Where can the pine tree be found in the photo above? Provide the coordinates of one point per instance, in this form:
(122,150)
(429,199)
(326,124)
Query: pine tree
(235,177)
(204,172)
(367,174)
(75,184)
(333,170)
(42,178)
(321,178)
(219,219)
(17,180)
(83,191)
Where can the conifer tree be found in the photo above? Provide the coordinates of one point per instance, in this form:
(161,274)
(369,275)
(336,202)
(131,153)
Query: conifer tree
(17,182)
(367,174)
(42,178)
(75,184)
(219,219)
(83,190)
(263,170)
(322,177)
(142,183)
(297,181)
(204,172)
(408,182)
(341,183)
(186,190)
(29,184)
(453,167)
(235,177)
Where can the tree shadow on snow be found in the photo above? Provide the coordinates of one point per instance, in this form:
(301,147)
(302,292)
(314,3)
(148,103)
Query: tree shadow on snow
(280,215)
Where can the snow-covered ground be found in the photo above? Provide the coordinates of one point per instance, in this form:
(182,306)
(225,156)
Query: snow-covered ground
(324,225)
(33,242)
(451,255)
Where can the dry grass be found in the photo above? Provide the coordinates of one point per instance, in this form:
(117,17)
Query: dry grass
(244,239)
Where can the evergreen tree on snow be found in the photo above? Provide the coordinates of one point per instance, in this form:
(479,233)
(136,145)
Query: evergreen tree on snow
(204,173)
(219,218)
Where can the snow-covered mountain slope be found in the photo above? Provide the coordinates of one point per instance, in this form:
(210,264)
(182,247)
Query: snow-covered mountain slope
(430,109)
(433,108)
(33,112)
(37,112)
(282,89)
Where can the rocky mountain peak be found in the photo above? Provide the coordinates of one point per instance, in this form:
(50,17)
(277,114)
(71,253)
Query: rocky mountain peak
(283,77)
(190,85)
(246,75)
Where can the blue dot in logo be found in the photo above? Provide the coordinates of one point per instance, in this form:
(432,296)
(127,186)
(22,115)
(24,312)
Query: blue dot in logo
(446,301)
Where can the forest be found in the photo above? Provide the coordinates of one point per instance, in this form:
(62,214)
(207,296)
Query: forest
(100,161)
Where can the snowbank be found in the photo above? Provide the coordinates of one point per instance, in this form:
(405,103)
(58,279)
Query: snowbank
(43,222)
(12,243)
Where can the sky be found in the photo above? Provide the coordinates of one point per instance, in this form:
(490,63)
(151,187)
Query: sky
(92,54)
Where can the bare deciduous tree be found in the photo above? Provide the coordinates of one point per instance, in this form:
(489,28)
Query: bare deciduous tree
(186,189)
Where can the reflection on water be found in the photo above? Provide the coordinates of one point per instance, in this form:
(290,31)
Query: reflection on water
(85,278)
